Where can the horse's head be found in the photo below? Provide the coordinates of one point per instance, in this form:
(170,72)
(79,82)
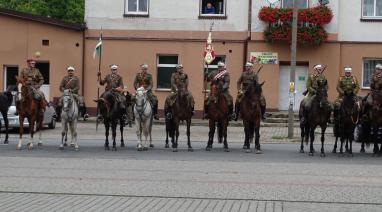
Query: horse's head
(21,88)
(377,100)
(182,89)
(67,100)
(322,92)
(140,96)
(254,91)
(350,106)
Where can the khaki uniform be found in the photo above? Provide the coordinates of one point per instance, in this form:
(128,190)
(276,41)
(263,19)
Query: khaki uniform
(72,83)
(223,84)
(178,80)
(312,85)
(112,82)
(34,79)
(146,80)
(246,79)
(375,85)
(345,85)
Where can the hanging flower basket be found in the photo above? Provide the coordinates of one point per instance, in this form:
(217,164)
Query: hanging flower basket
(310,22)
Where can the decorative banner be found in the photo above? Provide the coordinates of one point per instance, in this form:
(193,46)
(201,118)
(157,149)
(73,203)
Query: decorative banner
(264,57)
(209,53)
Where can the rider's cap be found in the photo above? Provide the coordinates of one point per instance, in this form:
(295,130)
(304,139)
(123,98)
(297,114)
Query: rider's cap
(318,66)
(348,69)
(144,66)
(71,68)
(30,60)
(114,67)
(249,64)
(221,64)
(179,66)
(378,66)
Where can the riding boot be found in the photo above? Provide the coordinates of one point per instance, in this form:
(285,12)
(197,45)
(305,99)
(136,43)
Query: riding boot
(237,110)
(263,109)
(155,110)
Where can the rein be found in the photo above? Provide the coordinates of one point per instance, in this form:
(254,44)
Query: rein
(143,107)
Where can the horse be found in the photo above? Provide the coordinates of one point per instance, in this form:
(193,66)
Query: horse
(218,113)
(143,114)
(30,108)
(181,110)
(251,114)
(317,115)
(6,99)
(112,115)
(69,118)
(348,119)
(376,122)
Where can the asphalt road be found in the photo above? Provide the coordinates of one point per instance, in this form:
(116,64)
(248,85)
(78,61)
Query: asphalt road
(280,179)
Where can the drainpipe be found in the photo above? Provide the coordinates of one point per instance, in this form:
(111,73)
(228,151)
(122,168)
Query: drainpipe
(249,30)
(83,63)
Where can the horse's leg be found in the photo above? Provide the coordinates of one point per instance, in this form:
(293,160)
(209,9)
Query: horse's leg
(190,149)
(121,130)
(167,132)
(32,122)
(342,142)
(220,132)
(138,125)
(39,128)
(6,122)
(176,135)
(149,132)
(114,134)
(302,134)
(21,132)
(211,135)
(323,129)
(224,134)
(146,133)
(311,134)
(63,133)
(107,126)
(257,140)
(347,145)
(350,147)
(246,135)
(74,128)
(362,146)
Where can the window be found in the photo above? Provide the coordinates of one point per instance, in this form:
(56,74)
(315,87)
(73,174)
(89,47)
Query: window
(45,42)
(372,9)
(166,65)
(368,70)
(212,8)
(300,3)
(10,72)
(44,69)
(136,7)
(213,67)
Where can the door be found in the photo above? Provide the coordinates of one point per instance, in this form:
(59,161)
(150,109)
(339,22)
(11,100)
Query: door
(300,85)
(10,72)
(44,68)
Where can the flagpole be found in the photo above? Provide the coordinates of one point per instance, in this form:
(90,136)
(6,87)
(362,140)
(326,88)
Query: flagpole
(99,77)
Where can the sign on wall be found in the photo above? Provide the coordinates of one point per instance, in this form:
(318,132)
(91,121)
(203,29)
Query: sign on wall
(264,57)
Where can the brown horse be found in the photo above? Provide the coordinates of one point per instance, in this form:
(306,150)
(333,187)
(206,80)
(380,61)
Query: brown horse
(30,108)
(218,113)
(317,114)
(376,122)
(181,110)
(251,114)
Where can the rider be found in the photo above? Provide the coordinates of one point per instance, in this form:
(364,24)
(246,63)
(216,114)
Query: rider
(347,84)
(145,79)
(375,85)
(34,79)
(72,83)
(220,78)
(114,83)
(312,85)
(178,78)
(247,78)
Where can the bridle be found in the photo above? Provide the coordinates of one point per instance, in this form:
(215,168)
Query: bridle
(141,108)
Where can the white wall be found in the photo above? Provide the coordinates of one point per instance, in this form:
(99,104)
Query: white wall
(164,15)
(260,26)
(351,28)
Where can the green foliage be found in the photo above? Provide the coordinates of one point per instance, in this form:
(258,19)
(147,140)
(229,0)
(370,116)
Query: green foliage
(66,10)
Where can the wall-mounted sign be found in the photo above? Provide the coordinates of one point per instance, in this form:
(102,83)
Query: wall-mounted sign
(264,57)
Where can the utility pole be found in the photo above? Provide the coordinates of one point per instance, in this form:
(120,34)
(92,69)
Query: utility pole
(292,71)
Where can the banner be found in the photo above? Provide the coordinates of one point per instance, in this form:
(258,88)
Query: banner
(264,57)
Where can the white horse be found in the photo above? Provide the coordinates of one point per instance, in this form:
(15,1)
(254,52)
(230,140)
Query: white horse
(143,113)
(69,118)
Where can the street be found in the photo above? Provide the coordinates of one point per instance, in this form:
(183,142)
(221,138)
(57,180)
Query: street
(280,179)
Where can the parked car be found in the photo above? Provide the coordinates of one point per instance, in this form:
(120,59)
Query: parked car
(13,117)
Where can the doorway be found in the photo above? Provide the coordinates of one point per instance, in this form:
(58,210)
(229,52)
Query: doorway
(10,72)
(44,68)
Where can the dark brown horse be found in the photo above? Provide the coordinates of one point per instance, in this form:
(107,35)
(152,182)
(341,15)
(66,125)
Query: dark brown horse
(28,107)
(349,115)
(6,99)
(376,122)
(317,114)
(251,114)
(218,114)
(181,110)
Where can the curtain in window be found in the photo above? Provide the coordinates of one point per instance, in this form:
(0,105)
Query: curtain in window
(142,5)
(368,8)
(300,3)
(379,8)
(132,5)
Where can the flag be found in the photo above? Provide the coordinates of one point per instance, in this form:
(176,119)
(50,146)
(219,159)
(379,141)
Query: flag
(97,49)
(209,53)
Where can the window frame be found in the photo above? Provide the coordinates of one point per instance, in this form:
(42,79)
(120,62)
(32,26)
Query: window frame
(374,17)
(307,4)
(212,16)
(128,13)
(164,66)
(363,70)
(5,71)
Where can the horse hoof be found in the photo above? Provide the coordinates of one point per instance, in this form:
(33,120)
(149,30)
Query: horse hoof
(145,148)
(72,145)
(362,151)
(151,145)
(65,144)
(248,151)
(175,150)
(351,155)
(226,150)
(114,149)
(107,149)
(245,147)
(39,144)
(190,149)
(310,153)
(322,155)
(30,147)
(208,149)
(122,145)
(18,147)
(6,142)
(61,148)
(334,151)
(166,146)
(76,148)
(302,151)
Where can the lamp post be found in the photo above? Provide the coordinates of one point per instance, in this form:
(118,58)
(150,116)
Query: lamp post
(292,71)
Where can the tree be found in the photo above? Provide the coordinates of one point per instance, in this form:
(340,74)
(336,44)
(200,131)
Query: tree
(66,10)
